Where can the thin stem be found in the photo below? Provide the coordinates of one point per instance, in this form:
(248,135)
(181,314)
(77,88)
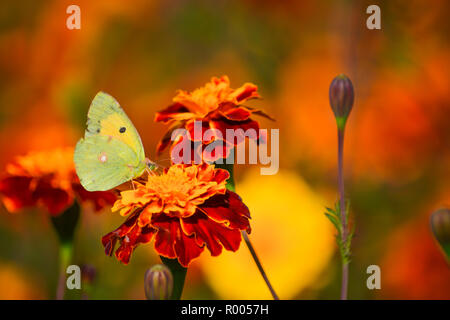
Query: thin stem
(231,186)
(65,255)
(342,208)
(259,265)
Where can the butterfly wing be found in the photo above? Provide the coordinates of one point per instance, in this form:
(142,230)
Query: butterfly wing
(111,152)
(103,163)
(107,118)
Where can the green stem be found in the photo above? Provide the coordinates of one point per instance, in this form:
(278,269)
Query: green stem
(65,225)
(65,256)
(179,275)
(232,187)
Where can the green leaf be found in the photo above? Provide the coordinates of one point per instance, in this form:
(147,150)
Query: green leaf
(335,221)
(335,218)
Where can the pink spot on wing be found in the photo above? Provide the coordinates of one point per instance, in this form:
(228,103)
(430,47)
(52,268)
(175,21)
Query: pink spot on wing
(103,157)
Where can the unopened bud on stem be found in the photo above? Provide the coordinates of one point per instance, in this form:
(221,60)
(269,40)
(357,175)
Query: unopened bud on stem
(158,283)
(341,99)
(88,273)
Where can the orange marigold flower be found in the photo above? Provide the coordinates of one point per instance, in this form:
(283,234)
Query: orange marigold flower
(46,179)
(184,208)
(218,107)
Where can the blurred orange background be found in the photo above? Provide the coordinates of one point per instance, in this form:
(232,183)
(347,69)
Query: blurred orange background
(397,151)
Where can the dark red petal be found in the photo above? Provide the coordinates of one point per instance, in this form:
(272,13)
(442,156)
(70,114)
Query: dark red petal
(167,114)
(130,241)
(146,235)
(171,241)
(237,114)
(239,128)
(211,152)
(109,243)
(100,199)
(220,175)
(123,253)
(249,91)
(110,239)
(177,152)
(211,233)
(191,126)
(128,224)
(130,235)
(229,209)
(166,140)
(16,193)
(166,235)
(186,248)
(54,200)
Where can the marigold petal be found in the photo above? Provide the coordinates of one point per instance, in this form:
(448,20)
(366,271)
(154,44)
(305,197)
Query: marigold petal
(219,149)
(221,175)
(187,249)
(192,127)
(130,235)
(246,92)
(53,199)
(100,199)
(237,114)
(165,237)
(136,236)
(166,140)
(229,210)
(211,233)
(171,241)
(240,129)
(16,193)
(146,214)
(175,111)
(123,253)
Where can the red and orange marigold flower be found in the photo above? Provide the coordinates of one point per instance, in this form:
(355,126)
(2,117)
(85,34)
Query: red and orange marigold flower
(46,179)
(185,209)
(218,107)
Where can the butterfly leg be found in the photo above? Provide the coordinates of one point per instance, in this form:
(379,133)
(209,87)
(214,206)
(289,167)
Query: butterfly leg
(150,172)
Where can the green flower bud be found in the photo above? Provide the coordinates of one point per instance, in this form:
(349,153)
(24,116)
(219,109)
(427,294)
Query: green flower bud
(440,225)
(158,283)
(341,98)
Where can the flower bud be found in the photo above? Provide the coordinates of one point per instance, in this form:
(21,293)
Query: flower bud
(158,283)
(341,98)
(88,273)
(440,225)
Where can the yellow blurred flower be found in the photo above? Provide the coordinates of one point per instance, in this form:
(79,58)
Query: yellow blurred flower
(15,285)
(291,234)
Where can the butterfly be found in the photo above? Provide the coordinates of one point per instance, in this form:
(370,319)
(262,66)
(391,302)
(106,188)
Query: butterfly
(111,151)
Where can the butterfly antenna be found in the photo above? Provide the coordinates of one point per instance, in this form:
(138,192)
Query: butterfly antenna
(159,161)
(165,159)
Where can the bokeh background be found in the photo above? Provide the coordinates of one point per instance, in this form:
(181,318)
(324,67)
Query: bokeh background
(397,141)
